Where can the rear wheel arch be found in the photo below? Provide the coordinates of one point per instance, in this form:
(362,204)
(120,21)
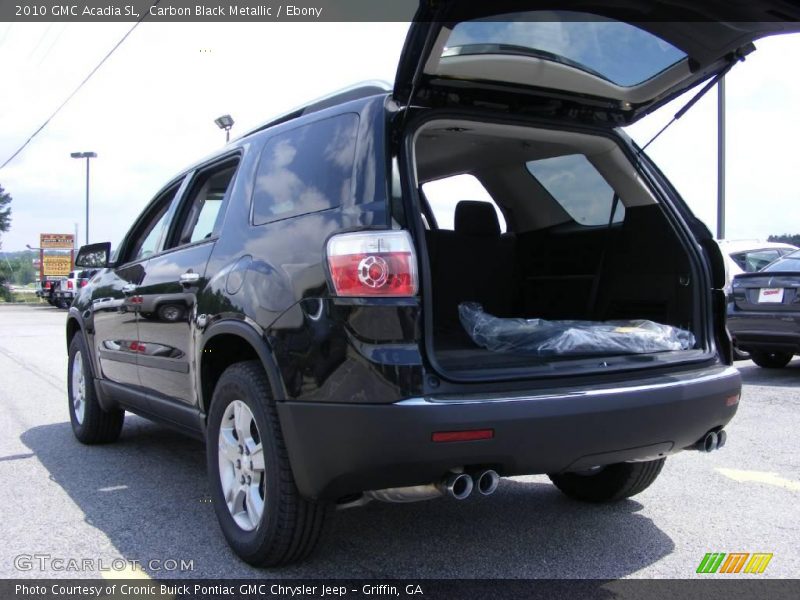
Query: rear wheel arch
(229,343)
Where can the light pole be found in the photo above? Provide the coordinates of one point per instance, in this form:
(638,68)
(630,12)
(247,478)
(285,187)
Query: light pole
(225,122)
(88,156)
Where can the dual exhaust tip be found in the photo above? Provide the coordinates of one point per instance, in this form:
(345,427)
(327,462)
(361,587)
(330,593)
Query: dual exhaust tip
(461,485)
(713,440)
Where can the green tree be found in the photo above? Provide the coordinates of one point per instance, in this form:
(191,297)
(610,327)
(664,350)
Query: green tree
(786,238)
(5,211)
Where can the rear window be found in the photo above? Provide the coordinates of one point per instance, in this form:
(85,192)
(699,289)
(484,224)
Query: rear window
(577,186)
(790,262)
(306,169)
(617,52)
(755,260)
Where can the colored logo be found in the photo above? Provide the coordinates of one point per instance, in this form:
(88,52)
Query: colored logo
(735,562)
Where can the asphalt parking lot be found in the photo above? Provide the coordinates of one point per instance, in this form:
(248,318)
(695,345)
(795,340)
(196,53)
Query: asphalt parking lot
(145,498)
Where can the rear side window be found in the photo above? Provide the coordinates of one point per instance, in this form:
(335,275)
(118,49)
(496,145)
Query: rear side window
(307,169)
(443,195)
(578,187)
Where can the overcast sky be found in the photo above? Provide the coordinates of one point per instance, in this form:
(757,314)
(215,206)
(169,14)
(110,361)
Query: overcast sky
(149,112)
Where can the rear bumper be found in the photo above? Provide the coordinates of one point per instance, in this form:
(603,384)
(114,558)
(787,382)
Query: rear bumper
(766,332)
(340,449)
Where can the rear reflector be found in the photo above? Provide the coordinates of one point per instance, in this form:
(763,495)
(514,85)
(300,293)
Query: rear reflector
(373,263)
(463,436)
(731,400)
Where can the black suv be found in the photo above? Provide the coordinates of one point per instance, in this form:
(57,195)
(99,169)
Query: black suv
(300,300)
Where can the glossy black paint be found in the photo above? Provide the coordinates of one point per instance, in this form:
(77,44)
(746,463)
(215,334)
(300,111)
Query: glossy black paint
(262,292)
(269,278)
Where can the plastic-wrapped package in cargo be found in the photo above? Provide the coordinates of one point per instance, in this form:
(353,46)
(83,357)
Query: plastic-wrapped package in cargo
(565,338)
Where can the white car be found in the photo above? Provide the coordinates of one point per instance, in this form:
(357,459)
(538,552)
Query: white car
(749,256)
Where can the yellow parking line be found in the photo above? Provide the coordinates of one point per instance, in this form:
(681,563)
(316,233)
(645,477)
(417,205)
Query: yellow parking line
(761,477)
(131,572)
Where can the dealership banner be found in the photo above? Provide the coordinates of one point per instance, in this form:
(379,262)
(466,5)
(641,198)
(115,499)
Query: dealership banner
(423,589)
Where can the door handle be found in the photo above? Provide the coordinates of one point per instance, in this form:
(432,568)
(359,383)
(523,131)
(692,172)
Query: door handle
(190,278)
(128,288)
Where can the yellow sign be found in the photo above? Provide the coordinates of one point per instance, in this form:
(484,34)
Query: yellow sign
(56,265)
(65,241)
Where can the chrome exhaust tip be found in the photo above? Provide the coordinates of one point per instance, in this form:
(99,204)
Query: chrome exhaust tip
(458,486)
(708,442)
(722,437)
(487,482)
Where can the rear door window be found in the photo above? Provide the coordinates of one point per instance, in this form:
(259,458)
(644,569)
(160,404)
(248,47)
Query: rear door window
(578,187)
(306,169)
(204,207)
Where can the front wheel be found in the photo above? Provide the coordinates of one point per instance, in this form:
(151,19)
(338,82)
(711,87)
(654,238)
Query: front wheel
(771,360)
(609,483)
(260,510)
(90,423)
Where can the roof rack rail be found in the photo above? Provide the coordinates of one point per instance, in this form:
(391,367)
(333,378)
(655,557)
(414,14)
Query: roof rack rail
(353,92)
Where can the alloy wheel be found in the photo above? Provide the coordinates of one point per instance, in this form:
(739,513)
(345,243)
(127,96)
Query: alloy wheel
(241,465)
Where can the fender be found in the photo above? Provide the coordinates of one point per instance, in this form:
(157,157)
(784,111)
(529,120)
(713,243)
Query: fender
(75,315)
(249,333)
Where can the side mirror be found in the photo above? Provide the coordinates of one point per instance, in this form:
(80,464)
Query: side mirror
(93,256)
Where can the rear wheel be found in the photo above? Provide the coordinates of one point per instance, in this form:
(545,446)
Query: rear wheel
(771,360)
(90,423)
(260,510)
(609,483)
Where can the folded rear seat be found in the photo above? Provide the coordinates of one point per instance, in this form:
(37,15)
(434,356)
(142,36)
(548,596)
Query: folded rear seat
(475,262)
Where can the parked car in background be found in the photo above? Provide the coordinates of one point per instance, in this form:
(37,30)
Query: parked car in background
(48,290)
(66,289)
(764,315)
(749,256)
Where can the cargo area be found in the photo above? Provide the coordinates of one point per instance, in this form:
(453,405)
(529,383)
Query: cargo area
(543,224)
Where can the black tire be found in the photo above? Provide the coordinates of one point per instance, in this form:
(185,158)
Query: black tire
(97,425)
(771,360)
(290,525)
(611,483)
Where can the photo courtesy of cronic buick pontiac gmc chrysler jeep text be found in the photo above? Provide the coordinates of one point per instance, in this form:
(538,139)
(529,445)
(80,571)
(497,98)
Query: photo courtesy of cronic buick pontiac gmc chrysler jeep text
(313,303)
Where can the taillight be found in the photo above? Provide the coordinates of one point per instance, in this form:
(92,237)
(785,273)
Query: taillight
(69,284)
(373,263)
(84,282)
(47,285)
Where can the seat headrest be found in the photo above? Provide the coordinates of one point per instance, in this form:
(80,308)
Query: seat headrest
(474,217)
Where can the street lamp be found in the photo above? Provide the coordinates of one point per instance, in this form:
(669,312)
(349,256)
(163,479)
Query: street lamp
(225,122)
(88,156)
